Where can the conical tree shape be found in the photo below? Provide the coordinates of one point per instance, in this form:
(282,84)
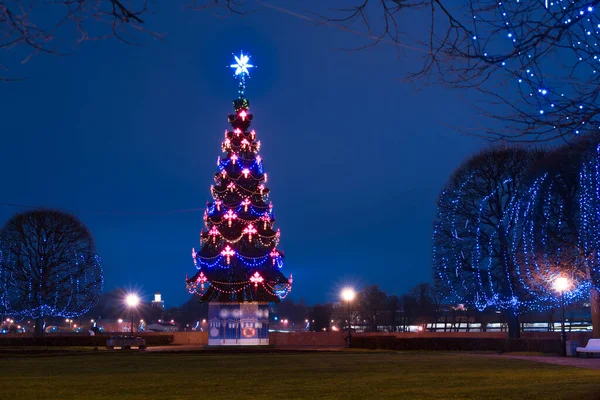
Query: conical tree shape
(239,260)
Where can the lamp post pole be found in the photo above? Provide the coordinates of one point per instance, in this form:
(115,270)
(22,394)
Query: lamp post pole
(561,284)
(348,295)
(563,334)
(349,325)
(132,301)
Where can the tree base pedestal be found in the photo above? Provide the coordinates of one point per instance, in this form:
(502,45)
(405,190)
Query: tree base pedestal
(238,324)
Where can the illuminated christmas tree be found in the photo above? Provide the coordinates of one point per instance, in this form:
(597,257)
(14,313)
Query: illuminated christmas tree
(238,261)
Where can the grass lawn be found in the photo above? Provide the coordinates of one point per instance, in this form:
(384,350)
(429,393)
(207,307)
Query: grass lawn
(322,375)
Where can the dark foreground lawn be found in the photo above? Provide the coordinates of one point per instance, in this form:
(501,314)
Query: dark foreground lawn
(320,375)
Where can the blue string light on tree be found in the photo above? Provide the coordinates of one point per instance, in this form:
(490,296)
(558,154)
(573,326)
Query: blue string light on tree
(472,252)
(524,40)
(559,216)
(48,267)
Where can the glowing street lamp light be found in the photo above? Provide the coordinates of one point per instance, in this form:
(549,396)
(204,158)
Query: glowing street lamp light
(132,300)
(348,295)
(562,284)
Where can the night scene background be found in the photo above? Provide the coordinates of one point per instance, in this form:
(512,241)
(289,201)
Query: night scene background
(127,137)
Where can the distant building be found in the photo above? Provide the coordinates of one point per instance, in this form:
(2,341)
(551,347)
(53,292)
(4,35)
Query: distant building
(158,302)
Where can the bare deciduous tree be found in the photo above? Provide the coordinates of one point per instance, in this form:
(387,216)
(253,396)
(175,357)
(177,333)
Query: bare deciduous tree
(371,304)
(48,267)
(54,27)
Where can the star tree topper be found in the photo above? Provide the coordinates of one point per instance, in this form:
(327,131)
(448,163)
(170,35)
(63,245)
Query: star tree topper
(241,66)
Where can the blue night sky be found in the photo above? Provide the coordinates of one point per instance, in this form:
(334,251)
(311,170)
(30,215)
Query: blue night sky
(356,157)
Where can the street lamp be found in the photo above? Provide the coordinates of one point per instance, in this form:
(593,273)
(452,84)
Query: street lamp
(348,295)
(561,284)
(132,301)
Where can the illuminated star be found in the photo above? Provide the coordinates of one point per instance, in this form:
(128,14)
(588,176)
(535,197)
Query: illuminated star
(242,64)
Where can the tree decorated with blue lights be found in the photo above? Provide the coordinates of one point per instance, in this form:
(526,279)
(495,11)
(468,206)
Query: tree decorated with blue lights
(48,267)
(239,260)
(539,61)
(472,256)
(559,226)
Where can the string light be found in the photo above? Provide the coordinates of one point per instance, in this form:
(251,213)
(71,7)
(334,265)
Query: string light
(560,214)
(75,287)
(472,253)
(558,99)
(552,227)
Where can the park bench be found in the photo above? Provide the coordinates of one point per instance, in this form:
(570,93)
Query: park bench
(126,342)
(592,347)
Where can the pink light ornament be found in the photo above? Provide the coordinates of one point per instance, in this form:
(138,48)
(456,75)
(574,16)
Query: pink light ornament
(256,279)
(228,252)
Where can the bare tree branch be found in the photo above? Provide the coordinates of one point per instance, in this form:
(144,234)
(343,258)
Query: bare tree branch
(45,27)
(536,60)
